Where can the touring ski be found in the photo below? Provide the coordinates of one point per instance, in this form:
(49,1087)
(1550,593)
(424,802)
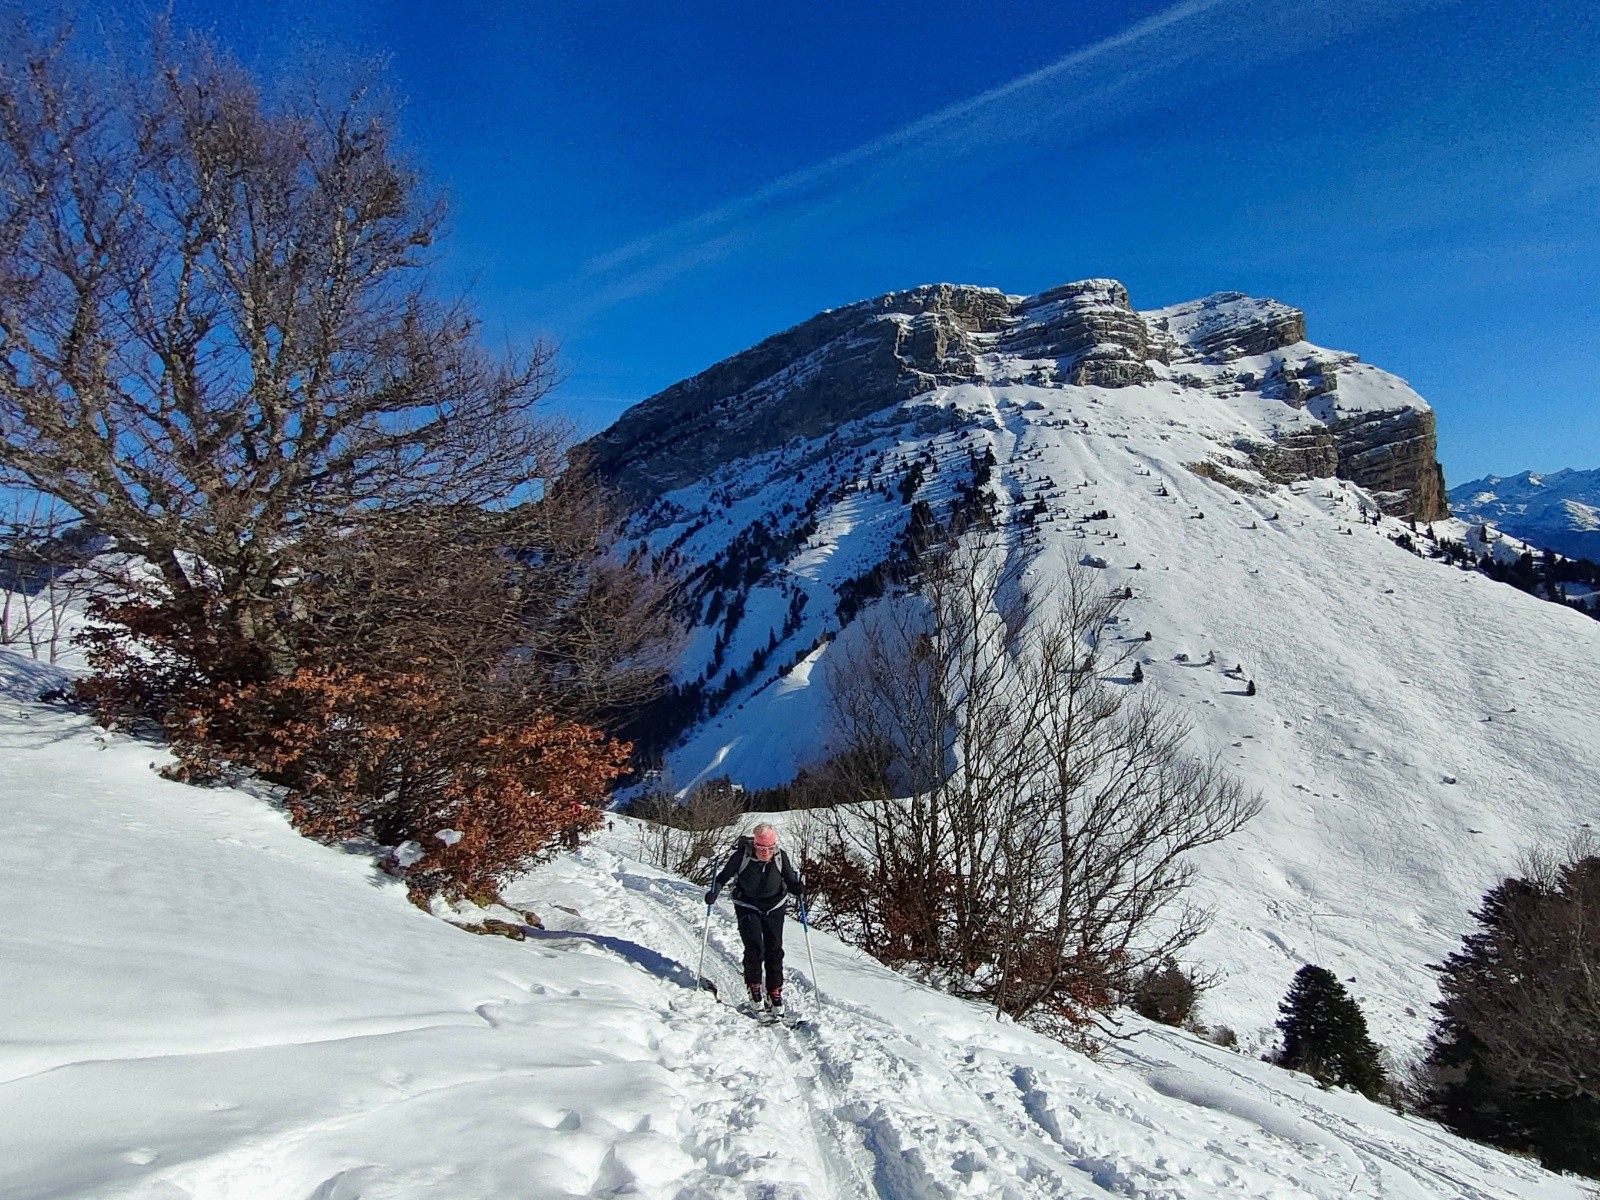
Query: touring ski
(765,1016)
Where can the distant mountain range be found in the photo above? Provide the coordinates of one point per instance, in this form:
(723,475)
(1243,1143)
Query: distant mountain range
(1559,510)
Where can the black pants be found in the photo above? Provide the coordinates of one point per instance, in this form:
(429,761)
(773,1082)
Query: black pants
(763,944)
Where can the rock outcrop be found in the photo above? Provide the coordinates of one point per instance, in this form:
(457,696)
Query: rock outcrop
(1092,326)
(1393,456)
(1230,325)
(1297,456)
(849,362)
(1388,450)
(839,365)
(1390,454)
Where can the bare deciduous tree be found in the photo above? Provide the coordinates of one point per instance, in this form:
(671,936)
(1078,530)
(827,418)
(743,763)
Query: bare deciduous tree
(218,337)
(44,579)
(374,581)
(1034,851)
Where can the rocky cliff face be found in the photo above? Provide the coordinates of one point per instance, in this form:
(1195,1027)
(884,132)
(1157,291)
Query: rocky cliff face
(1389,454)
(1089,327)
(849,362)
(1392,455)
(1387,446)
(839,365)
(1231,325)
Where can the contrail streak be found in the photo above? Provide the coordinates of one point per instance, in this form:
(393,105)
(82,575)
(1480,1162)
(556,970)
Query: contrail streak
(1184,47)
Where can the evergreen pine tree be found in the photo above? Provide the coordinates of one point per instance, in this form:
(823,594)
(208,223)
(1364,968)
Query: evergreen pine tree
(1138,673)
(1325,1034)
(1516,1044)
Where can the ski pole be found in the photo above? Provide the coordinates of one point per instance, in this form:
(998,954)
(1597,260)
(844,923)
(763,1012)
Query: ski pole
(805,925)
(705,932)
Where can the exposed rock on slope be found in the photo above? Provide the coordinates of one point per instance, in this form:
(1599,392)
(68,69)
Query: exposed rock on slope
(1090,327)
(849,362)
(1392,455)
(1230,325)
(1388,449)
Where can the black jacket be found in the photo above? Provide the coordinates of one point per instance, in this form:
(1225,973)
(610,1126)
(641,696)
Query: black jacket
(763,886)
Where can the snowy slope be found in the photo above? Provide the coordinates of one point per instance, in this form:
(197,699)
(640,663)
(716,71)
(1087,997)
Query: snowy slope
(1558,510)
(198,1003)
(1416,728)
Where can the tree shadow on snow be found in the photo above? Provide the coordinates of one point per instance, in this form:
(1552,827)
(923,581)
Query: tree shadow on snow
(653,961)
(24,678)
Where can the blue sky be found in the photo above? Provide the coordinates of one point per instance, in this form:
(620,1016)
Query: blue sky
(657,186)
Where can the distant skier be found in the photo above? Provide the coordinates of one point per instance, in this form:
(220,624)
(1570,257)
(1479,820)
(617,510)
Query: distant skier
(763,880)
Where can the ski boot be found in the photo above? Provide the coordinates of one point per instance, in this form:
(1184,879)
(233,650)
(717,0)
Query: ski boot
(755,1004)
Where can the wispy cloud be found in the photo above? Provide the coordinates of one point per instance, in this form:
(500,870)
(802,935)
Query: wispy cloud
(1183,48)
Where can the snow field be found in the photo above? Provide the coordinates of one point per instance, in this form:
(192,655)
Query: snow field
(199,1003)
(1416,728)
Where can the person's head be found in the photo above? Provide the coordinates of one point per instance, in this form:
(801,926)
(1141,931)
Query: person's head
(765,839)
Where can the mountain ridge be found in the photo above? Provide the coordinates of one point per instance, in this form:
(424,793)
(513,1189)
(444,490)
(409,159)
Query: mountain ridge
(848,362)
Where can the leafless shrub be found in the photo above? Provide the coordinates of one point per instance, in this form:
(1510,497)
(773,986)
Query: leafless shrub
(684,837)
(1034,851)
(1167,993)
(44,575)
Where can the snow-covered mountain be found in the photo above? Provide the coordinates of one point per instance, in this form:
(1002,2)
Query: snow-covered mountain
(1414,728)
(199,1003)
(1558,511)
(1333,414)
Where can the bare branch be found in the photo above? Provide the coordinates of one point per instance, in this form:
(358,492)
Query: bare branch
(1035,851)
(218,336)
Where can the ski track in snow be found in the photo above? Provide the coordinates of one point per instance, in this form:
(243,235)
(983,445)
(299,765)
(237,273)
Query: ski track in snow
(900,1110)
